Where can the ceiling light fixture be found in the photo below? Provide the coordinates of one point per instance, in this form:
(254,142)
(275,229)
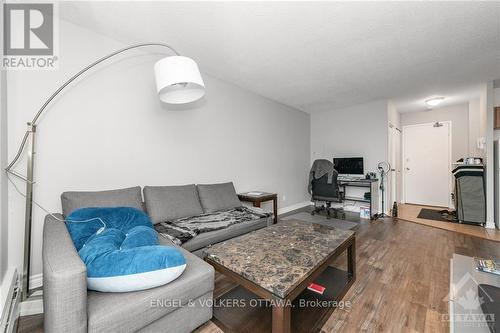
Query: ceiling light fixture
(432,102)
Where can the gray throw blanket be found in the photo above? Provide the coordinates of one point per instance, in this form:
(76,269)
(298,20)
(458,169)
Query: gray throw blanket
(181,230)
(319,169)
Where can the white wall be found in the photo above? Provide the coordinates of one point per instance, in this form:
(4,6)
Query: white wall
(394,136)
(359,130)
(109,131)
(356,131)
(459,117)
(486,108)
(3,179)
(394,117)
(496,102)
(477,128)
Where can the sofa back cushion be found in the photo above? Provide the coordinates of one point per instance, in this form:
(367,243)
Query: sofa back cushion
(127,197)
(215,197)
(166,203)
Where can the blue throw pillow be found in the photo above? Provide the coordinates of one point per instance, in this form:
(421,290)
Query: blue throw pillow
(121,250)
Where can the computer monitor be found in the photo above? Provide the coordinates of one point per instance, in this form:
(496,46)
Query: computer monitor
(349,166)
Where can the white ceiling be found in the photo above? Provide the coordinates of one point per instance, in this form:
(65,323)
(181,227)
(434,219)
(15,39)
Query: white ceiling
(318,56)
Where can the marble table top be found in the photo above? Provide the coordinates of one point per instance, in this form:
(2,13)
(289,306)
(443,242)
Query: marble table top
(281,256)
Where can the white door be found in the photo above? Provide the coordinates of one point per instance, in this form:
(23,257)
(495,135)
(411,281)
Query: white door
(427,164)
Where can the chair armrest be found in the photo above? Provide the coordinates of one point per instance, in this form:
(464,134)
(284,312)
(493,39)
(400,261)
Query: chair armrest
(64,280)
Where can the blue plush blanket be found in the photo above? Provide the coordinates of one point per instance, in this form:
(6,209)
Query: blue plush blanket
(86,222)
(121,249)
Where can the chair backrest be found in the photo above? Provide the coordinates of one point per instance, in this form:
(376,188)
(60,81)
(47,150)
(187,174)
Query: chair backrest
(322,189)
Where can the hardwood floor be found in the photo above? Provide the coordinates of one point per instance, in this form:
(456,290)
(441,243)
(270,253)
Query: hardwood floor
(403,272)
(410,212)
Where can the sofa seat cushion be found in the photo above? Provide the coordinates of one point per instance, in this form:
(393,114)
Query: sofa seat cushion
(127,197)
(128,312)
(216,197)
(165,203)
(213,237)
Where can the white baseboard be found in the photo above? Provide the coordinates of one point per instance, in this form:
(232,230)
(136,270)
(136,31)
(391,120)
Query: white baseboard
(9,301)
(490,225)
(36,281)
(33,305)
(293,207)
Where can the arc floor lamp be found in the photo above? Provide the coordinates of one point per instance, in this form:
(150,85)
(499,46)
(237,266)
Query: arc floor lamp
(178,81)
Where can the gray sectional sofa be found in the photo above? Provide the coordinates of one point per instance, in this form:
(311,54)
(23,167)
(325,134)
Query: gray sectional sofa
(177,307)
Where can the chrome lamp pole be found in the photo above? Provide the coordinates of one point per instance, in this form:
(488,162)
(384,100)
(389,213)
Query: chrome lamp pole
(178,81)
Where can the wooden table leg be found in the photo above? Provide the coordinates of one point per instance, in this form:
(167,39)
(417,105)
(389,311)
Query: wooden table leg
(256,204)
(351,260)
(282,315)
(275,209)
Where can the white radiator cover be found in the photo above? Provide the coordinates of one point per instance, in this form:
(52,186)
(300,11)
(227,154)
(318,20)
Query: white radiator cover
(10,297)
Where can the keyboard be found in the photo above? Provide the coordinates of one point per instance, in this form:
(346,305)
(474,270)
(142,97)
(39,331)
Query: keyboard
(347,179)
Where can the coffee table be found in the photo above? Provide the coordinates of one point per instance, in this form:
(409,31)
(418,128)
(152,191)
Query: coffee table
(276,265)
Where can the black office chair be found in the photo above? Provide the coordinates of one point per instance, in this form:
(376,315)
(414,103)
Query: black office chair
(323,191)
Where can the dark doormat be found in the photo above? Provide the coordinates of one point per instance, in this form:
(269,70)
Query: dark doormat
(437,215)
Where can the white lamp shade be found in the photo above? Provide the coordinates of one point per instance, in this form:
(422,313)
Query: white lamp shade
(178,80)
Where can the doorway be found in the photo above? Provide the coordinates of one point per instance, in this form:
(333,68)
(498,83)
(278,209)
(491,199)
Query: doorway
(427,178)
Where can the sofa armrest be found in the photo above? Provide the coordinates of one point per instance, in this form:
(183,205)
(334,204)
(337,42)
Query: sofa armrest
(64,280)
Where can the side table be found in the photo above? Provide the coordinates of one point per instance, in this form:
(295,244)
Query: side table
(257,197)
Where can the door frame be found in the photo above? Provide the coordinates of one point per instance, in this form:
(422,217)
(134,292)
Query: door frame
(403,154)
(394,191)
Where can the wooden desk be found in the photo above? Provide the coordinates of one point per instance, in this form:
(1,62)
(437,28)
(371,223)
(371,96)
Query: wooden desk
(256,200)
(372,185)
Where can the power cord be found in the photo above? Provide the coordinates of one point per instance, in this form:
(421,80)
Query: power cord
(54,216)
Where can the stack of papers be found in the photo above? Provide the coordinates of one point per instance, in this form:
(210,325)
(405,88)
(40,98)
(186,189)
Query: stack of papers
(255,193)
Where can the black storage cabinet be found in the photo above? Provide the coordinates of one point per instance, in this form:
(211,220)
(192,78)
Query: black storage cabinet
(470,194)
